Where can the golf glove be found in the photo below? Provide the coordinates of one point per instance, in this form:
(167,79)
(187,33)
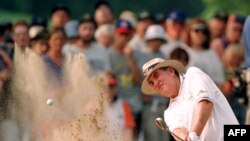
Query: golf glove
(193,136)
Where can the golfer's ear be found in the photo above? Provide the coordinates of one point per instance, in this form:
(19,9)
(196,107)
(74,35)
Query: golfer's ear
(171,70)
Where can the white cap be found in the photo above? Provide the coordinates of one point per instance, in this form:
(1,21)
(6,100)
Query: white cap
(155,32)
(129,16)
(106,28)
(34,30)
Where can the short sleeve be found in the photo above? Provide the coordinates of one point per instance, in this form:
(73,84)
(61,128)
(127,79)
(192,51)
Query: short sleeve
(203,87)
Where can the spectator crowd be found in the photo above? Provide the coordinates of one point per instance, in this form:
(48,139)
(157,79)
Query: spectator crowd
(118,47)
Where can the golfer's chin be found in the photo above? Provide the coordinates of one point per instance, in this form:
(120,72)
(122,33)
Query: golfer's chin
(164,93)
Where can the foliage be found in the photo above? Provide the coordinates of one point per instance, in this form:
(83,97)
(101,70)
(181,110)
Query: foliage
(80,7)
(13,16)
(228,6)
(203,8)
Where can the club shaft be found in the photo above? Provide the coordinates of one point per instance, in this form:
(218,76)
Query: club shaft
(161,124)
(176,136)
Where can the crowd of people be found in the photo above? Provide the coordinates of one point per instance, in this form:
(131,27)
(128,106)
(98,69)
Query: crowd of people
(120,46)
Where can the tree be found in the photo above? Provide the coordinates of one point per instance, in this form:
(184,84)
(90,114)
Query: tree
(228,6)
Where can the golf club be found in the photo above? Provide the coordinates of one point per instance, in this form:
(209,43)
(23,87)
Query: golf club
(162,125)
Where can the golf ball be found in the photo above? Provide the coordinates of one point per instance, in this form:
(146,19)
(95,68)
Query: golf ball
(50,102)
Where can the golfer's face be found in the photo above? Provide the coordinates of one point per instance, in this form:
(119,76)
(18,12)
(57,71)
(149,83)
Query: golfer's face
(165,82)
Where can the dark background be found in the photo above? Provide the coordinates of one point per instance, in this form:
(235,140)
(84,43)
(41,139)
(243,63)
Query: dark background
(203,8)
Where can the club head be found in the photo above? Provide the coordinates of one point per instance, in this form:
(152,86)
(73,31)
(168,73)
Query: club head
(161,124)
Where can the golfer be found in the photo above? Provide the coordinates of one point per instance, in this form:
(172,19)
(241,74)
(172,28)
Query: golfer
(198,110)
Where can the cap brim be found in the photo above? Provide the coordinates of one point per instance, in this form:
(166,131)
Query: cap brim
(163,38)
(147,88)
(123,31)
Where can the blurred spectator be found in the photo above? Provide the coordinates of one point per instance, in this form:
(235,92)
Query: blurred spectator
(155,37)
(34,30)
(118,111)
(60,15)
(6,52)
(6,29)
(235,87)
(175,26)
(233,56)
(232,60)
(234,28)
(144,20)
(103,13)
(201,55)
(104,35)
(123,65)
(5,76)
(5,37)
(246,45)
(217,24)
(86,30)
(2,33)
(54,57)
(129,16)
(21,34)
(38,40)
(5,69)
(38,21)
(153,106)
(97,56)
(70,29)
(232,36)
(181,55)
(159,18)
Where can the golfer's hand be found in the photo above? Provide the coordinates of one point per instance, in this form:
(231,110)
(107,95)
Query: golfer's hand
(182,133)
(186,138)
(192,136)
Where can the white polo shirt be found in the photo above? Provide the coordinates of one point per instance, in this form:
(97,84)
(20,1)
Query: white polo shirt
(196,86)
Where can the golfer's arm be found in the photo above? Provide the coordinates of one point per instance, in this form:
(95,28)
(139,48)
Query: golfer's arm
(202,115)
